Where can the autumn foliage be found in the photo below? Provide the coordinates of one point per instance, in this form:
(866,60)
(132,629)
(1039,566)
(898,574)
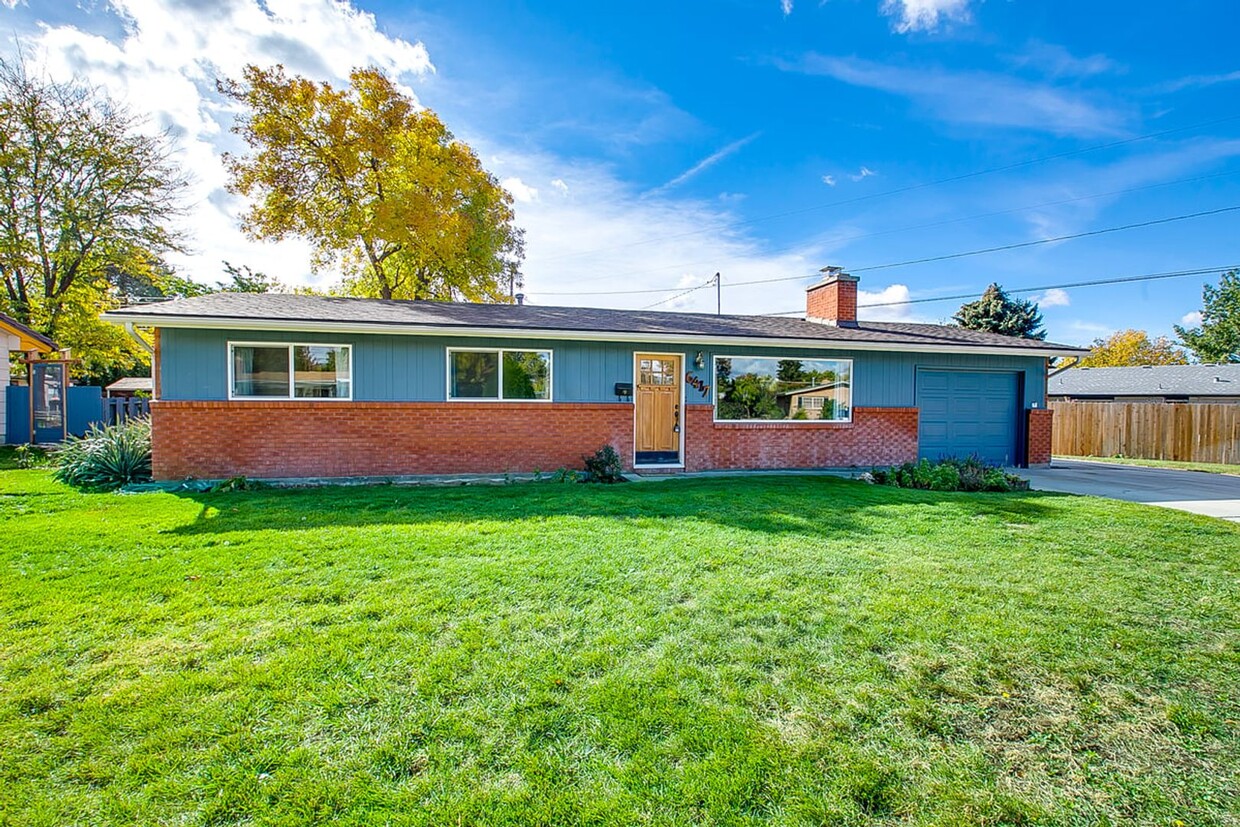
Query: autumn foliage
(377,185)
(1133,348)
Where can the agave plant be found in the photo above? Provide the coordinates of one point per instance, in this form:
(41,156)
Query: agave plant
(107,458)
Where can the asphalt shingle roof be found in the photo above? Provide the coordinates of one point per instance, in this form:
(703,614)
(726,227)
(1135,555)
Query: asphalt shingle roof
(282,307)
(1154,380)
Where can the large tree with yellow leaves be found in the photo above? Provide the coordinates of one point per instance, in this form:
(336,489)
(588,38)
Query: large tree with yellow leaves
(377,185)
(1133,348)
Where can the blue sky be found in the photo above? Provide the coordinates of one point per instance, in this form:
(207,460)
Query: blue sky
(650,145)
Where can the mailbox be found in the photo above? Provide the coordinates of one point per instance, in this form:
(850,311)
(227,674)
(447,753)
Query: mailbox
(624,390)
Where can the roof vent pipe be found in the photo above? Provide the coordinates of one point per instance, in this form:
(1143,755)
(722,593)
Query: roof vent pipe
(520,297)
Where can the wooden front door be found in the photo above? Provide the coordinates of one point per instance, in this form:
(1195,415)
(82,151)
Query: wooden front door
(658,409)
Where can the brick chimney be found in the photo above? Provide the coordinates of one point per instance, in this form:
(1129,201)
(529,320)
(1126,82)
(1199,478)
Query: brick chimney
(834,299)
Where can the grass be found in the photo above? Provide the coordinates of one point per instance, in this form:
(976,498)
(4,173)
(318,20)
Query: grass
(780,650)
(1208,467)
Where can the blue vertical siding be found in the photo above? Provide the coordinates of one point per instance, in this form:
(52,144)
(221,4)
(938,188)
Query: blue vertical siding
(194,366)
(884,379)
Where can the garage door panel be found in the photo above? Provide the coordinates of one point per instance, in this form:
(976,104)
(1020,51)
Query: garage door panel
(965,413)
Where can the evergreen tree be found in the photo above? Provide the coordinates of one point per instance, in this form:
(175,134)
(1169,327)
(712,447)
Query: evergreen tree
(997,312)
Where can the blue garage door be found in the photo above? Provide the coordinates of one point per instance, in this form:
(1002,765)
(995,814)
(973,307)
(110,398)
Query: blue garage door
(966,413)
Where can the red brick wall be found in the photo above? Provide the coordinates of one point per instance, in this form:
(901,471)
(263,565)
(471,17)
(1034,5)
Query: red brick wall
(1041,423)
(876,436)
(215,440)
(835,301)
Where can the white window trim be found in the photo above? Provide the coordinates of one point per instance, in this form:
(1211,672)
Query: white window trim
(292,378)
(500,351)
(714,398)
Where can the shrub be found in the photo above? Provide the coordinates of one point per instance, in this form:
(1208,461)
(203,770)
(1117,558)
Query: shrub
(972,474)
(565,475)
(950,474)
(604,466)
(107,458)
(29,456)
(944,477)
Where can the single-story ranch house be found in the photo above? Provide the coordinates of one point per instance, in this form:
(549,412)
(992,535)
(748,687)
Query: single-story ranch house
(1148,383)
(280,386)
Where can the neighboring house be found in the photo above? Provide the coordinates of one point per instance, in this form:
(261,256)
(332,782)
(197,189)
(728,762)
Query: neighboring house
(272,385)
(129,386)
(816,401)
(16,338)
(1150,383)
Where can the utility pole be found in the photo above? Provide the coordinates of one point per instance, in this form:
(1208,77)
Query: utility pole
(718,295)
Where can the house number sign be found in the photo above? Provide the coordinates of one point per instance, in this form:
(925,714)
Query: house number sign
(695,382)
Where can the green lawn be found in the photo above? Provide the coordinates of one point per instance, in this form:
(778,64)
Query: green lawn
(1209,467)
(782,650)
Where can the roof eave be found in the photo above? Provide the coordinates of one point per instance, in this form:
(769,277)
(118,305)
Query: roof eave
(404,329)
(28,338)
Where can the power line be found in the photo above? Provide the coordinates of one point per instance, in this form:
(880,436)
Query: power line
(930,259)
(1005,247)
(900,190)
(906,228)
(678,295)
(1174,274)
(1024,244)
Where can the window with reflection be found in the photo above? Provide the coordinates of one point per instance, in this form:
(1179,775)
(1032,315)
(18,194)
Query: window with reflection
(291,371)
(499,374)
(766,388)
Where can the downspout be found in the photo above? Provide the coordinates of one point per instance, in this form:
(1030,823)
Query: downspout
(137,337)
(145,345)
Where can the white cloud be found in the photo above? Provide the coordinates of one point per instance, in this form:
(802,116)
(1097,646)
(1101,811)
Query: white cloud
(1055,61)
(1080,326)
(1192,319)
(520,190)
(925,15)
(829,180)
(1068,191)
(1055,297)
(974,97)
(862,174)
(885,305)
(786,7)
(162,59)
(1198,81)
(611,237)
(705,164)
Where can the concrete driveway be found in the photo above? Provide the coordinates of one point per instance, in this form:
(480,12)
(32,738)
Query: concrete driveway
(1215,495)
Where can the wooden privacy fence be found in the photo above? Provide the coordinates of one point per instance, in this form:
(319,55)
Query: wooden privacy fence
(1187,432)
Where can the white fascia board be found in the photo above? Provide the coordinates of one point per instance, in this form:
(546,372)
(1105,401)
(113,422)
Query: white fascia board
(301,326)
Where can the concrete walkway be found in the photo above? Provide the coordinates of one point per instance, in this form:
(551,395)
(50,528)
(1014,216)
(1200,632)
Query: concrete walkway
(1215,495)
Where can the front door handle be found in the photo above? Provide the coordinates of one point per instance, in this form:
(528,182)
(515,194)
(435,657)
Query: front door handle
(676,420)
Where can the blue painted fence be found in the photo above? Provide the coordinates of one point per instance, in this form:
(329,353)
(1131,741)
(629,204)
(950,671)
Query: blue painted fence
(85,407)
